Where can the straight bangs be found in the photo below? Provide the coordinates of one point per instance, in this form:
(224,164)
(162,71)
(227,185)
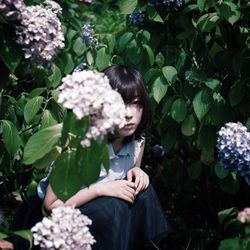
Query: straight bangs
(130,84)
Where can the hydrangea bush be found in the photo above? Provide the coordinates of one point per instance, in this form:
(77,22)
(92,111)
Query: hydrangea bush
(65,229)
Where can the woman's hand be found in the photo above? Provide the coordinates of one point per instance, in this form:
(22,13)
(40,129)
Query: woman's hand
(122,189)
(141,179)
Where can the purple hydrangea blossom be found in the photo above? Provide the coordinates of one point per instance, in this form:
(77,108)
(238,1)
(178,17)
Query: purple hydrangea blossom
(234,149)
(40,33)
(88,36)
(244,215)
(137,18)
(172,2)
(12,9)
(53,6)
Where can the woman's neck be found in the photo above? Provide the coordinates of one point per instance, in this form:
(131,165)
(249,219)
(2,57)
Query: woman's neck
(117,144)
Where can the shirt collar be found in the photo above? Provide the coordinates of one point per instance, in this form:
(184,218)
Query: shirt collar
(126,150)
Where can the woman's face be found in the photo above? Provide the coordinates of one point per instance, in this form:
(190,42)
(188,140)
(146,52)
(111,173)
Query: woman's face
(133,118)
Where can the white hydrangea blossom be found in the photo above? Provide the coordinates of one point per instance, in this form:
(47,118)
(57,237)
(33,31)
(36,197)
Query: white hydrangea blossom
(88,93)
(65,229)
(53,6)
(244,215)
(40,33)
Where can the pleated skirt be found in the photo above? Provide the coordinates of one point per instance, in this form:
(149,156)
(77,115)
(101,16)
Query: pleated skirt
(119,225)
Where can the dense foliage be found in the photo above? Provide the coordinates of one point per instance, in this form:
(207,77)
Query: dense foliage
(195,58)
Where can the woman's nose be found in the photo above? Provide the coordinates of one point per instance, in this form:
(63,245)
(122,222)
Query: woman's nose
(128,115)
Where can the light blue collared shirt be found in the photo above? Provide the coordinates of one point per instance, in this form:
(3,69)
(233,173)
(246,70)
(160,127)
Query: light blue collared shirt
(120,164)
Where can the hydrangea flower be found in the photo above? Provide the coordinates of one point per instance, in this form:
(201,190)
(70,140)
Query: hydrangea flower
(137,18)
(172,2)
(233,145)
(12,9)
(154,2)
(88,93)
(65,229)
(244,216)
(86,1)
(88,36)
(53,6)
(40,33)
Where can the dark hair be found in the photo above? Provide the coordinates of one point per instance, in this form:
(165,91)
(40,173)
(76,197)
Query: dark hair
(130,84)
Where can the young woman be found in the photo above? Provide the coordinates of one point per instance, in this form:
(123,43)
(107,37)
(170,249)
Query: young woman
(123,206)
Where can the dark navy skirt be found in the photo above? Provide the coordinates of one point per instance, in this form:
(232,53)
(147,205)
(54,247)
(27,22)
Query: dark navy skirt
(119,225)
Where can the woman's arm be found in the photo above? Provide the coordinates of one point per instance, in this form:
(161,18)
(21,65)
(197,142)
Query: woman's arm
(121,189)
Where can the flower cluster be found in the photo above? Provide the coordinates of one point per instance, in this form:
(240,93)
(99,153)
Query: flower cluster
(86,1)
(137,18)
(167,3)
(53,6)
(12,8)
(40,33)
(65,229)
(233,145)
(244,216)
(88,36)
(88,93)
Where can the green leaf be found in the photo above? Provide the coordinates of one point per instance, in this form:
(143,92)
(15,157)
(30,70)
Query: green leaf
(89,161)
(188,126)
(102,59)
(11,138)
(69,64)
(47,160)
(194,171)
(170,73)
(32,107)
(230,244)
(220,171)
(207,22)
(25,234)
(55,77)
(47,119)
(179,110)
(212,83)
(201,4)
(228,11)
(226,215)
(159,89)
(230,184)
(124,40)
(160,59)
(154,15)
(65,178)
(127,6)
(10,52)
(89,58)
(150,54)
(202,103)
(36,92)
(41,143)
(78,46)
(105,156)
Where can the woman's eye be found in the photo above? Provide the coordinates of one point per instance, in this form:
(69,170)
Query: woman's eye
(136,102)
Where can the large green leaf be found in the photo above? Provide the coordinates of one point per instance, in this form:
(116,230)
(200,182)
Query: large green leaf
(68,62)
(32,107)
(228,10)
(124,40)
(127,6)
(202,103)
(89,160)
(55,77)
(230,244)
(11,138)
(207,22)
(47,119)
(102,59)
(220,171)
(10,52)
(78,46)
(65,178)
(25,234)
(41,143)
(159,89)
(36,92)
(188,127)
(170,73)
(150,54)
(179,110)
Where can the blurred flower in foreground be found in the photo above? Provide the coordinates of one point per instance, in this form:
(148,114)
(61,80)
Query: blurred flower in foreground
(244,215)
(65,229)
(12,8)
(88,36)
(88,93)
(233,146)
(86,1)
(137,18)
(53,6)
(40,33)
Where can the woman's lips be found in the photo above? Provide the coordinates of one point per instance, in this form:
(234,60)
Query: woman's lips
(129,125)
